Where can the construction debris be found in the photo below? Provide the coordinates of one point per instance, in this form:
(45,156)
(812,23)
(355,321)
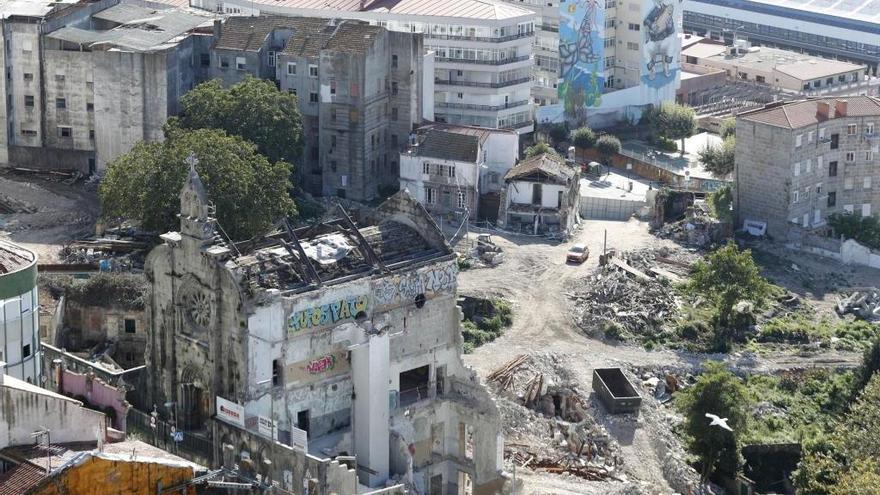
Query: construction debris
(862,302)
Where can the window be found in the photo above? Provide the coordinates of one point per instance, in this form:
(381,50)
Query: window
(798,140)
(809,165)
(848,183)
(394,113)
(869,155)
(632,46)
(866,210)
(292,91)
(829,81)
(240,63)
(796,196)
(25,351)
(866,183)
(130,325)
(332,86)
(332,141)
(850,156)
(276,372)
(90,107)
(65,132)
(224,63)
(28,132)
(271,58)
(60,103)
(333,165)
(313,70)
(851,129)
(451,171)
(28,76)
(848,209)
(92,134)
(332,115)
(832,169)
(835,141)
(461,199)
(313,97)
(291,68)
(59,77)
(460,95)
(810,136)
(394,61)
(797,169)
(634,27)
(760,79)
(818,189)
(205,59)
(430,195)
(426,168)
(821,134)
(394,88)
(832,199)
(869,128)
(29,100)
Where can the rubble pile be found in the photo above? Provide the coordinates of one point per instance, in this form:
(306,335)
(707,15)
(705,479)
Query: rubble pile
(862,302)
(542,408)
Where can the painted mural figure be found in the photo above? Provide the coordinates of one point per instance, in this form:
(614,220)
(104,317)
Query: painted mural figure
(660,37)
(582,24)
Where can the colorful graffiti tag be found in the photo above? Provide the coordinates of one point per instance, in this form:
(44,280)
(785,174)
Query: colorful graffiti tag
(662,46)
(581,55)
(328,314)
(406,287)
(321,364)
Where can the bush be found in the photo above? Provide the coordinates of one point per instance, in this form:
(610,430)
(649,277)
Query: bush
(583,137)
(612,330)
(607,146)
(103,290)
(665,144)
(489,327)
(865,230)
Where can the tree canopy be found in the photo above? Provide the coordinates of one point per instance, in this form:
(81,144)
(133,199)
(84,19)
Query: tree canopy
(583,137)
(865,230)
(672,121)
(727,128)
(607,146)
(719,160)
(718,392)
(539,148)
(249,192)
(253,109)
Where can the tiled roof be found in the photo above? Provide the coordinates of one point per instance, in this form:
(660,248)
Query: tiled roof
(550,164)
(310,34)
(449,146)
(14,258)
(803,113)
(467,9)
(20,479)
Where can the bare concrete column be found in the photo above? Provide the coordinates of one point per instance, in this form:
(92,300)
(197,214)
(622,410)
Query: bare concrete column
(370,408)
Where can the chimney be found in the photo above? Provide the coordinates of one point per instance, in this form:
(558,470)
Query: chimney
(840,108)
(218,29)
(823,110)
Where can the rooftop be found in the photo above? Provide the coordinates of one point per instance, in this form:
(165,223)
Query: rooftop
(762,58)
(31,8)
(310,35)
(542,167)
(137,28)
(859,10)
(14,258)
(802,113)
(446,145)
(487,10)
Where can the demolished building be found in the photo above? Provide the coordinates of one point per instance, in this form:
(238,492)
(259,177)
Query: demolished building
(342,340)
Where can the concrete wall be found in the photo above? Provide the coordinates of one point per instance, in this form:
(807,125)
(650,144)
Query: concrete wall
(26,408)
(98,394)
(502,153)
(609,208)
(520,192)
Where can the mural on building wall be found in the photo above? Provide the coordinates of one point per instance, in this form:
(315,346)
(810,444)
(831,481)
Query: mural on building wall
(662,47)
(331,313)
(432,280)
(581,55)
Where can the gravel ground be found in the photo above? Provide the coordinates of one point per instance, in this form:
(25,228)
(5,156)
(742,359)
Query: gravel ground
(535,277)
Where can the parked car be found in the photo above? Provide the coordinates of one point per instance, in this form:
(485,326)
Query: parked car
(578,253)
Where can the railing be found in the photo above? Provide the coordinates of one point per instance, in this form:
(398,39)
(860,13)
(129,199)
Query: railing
(193,447)
(468,106)
(518,125)
(489,39)
(482,62)
(548,27)
(446,82)
(413,395)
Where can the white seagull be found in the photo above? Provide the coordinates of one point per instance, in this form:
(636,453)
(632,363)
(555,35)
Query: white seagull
(716,421)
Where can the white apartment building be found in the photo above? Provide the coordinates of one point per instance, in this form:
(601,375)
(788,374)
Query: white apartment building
(19,313)
(604,61)
(482,49)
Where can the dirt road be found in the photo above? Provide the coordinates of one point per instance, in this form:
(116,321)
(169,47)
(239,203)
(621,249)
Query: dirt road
(535,277)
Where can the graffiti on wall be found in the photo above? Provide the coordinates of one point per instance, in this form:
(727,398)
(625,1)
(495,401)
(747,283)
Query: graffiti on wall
(581,55)
(322,364)
(662,46)
(315,369)
(327,314)
(433,280)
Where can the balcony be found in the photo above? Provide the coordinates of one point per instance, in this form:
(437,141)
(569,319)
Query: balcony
(487,108)
(519,125)
(503,84)
(482,62)
(487,39)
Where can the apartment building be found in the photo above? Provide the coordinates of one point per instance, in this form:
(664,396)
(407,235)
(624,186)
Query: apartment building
(85,81)
(483,50)
(345,338)
(612,58)
(360,89)
(797,163)
(20,319)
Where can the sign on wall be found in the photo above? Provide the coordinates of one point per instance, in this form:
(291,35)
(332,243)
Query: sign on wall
(230,411)
(267,427)
(318,368)
(299,439)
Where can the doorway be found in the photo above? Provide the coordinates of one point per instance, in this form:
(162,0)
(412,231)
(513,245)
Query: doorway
(414,385)
(302,420)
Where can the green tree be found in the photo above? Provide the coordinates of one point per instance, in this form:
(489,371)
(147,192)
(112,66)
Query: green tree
(719,160)
(583,137)
(557,132)
(539,148)
(726,277)
(727,128)
(672,121)
(718,392)
(869,367)
(863,478)
(865,230)
(720,201)
(249,192)
(607,146)
(253,109)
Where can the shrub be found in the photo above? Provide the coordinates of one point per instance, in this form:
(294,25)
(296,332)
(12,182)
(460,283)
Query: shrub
(583,137)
